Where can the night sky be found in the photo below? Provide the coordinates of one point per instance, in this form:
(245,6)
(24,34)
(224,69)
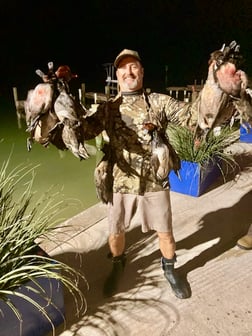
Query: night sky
(85,34)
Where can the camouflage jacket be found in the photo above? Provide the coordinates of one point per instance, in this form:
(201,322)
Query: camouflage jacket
(123,119)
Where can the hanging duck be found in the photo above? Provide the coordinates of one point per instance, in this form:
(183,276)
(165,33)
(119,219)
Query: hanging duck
(164,158)
(53,115)
(40,119)
(67,111)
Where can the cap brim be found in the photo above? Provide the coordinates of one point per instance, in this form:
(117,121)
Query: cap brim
(120,58)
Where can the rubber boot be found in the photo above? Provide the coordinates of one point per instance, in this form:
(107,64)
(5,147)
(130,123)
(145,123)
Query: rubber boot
(112,281)
(245,242)
(179,287)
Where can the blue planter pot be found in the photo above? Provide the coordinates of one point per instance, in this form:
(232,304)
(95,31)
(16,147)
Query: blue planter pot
(246,133)
(33,322)
(194,178)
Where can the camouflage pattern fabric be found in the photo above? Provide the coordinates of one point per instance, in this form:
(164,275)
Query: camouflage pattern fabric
(123,119)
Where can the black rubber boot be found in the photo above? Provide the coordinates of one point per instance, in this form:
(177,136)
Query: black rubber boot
(179,287)
(112,281)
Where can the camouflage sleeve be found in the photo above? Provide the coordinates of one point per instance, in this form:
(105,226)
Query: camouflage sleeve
(212,107)
(203,111)
(184,114)
(178,112)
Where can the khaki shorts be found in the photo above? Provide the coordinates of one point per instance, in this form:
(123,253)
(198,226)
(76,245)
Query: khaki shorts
(152,211)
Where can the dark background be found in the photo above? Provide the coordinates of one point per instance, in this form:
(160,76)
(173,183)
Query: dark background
(85,34)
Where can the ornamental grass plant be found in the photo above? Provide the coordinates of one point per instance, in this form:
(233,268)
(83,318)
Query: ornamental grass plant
(210,147)
(22,224)
(208,150)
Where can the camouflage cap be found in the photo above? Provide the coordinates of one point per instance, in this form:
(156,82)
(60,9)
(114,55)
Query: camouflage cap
(126,53)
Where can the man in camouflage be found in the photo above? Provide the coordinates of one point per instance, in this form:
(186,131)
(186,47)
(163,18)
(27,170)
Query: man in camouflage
(132,177)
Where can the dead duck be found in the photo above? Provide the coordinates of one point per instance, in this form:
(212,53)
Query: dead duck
(67,111)
(163,157)
(42,123)
(102,181)
(52,114)
(225,79)
(38,102)
(103,176)
(47,131)
(40,99)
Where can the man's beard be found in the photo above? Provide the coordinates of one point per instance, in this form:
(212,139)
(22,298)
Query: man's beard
(132,85)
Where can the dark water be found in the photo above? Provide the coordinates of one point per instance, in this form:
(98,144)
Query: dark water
(72,178)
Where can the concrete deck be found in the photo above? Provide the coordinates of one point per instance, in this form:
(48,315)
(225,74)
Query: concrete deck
(206,229)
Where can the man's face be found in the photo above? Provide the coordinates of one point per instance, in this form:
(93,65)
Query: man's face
(130,74)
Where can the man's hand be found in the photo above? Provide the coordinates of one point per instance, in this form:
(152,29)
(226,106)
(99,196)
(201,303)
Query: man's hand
(224,69)
(231,80)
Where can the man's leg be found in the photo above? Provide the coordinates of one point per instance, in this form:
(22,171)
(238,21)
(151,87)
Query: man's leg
(167,247)
(117,247)
(167,244)
(117,244)
(120,212)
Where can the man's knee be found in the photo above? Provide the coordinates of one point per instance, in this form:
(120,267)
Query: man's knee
(166,236)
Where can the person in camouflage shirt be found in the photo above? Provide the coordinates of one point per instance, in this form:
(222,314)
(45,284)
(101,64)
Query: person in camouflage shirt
(132,178)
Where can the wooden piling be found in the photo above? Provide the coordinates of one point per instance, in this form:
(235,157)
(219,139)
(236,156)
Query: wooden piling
(20,109)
